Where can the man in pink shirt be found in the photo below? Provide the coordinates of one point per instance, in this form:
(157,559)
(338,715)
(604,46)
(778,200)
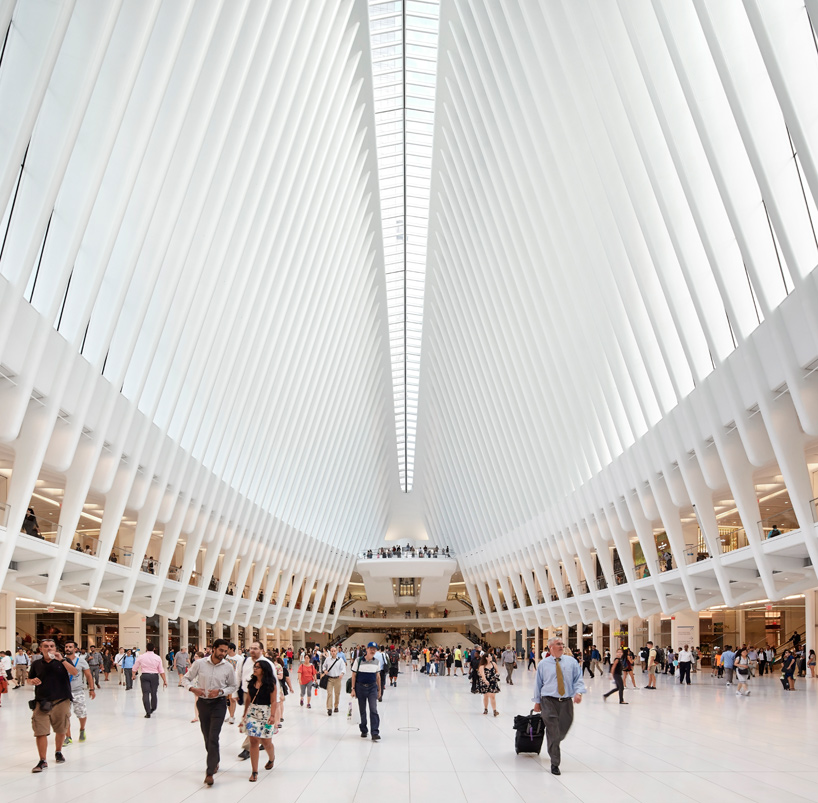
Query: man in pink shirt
(150,665)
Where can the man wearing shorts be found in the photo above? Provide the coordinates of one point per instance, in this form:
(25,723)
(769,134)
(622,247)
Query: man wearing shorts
(51,678)
(78,689)
(181,661)
(458,660)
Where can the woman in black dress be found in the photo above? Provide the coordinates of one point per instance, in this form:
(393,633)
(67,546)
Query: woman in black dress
(488,683)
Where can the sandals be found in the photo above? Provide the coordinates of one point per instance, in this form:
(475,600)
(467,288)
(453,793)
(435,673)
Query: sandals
(485,711)
(496,713)
(269,764)
(253,777)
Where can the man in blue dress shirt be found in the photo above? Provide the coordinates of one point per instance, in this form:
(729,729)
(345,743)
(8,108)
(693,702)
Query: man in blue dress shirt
(557,687)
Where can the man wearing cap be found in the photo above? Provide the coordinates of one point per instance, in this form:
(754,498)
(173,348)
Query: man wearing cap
(557,687)
(366,687)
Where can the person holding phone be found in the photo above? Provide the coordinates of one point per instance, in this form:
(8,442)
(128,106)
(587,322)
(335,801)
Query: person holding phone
(51,706)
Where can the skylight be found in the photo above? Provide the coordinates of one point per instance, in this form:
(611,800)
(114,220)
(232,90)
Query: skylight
(404,67)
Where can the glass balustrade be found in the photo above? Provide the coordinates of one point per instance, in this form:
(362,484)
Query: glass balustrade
(784,521)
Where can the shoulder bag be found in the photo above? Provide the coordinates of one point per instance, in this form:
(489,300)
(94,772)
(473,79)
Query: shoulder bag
(324,682)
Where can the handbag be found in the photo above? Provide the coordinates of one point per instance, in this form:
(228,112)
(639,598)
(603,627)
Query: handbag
(260,715)
(324,682)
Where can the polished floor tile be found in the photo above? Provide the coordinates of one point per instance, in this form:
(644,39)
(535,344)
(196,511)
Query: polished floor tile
(676,744)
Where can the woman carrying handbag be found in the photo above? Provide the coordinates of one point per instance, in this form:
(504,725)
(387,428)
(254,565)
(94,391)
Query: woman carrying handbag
(259,719)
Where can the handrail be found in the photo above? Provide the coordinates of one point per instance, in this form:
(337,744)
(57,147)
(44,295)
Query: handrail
(412,553)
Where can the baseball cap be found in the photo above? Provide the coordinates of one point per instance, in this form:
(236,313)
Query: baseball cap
(372,644)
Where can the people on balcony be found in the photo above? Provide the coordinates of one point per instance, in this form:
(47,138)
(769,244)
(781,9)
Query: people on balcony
(30,526)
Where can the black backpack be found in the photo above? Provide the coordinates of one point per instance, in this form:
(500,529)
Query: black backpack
(660,655)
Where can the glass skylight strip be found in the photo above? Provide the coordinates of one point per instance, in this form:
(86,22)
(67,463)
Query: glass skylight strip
(403,37)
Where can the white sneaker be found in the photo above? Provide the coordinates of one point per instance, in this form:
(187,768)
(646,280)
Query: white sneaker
(738,694)
(232,720)
(747,693)
(729,684)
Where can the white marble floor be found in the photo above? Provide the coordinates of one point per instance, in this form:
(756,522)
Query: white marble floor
(678,743)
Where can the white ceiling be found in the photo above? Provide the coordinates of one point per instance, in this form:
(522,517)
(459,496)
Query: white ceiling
(195,259)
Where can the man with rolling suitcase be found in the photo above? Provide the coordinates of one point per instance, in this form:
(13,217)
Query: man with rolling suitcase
(557,687)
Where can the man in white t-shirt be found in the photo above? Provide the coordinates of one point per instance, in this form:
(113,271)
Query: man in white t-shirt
(685,659)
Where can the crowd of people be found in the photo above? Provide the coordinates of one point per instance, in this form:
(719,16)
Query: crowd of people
(409,551)
(252,685)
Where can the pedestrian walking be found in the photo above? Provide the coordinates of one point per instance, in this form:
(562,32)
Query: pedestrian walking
(94,663)
(51,678)
(509,659)
(244,673)
(333,670)
(742,666)
(306,679)
(260,713)
(653,662)
(685,660)
(21,665)
(181,662)
(212,680)
(616,674)
(78,681)
(118,665)
(595,660)
(488,683)
(365,687)
(149,664)
(728,660)
(127,662)
(557,687)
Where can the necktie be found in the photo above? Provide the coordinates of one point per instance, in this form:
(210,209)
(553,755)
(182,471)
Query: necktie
(560,680)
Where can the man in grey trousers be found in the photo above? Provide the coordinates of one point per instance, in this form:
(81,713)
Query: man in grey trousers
(557,687)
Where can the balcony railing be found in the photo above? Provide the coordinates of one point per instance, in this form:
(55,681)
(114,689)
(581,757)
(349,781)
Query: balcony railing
(782,522)
(43,529)
(412,553)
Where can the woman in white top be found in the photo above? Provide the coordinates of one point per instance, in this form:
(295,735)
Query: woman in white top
(742,673)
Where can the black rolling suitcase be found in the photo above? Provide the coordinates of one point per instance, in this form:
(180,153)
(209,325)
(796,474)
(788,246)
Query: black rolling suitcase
(530,733)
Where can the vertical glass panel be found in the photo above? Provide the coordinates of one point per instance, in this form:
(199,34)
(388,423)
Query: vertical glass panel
(402,96)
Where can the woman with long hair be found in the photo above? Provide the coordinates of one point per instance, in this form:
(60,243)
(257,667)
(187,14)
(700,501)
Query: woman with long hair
(627,667)
(811,663)
(488,683)
(260,708)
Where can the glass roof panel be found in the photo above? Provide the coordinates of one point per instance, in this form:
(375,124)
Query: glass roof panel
(404,90)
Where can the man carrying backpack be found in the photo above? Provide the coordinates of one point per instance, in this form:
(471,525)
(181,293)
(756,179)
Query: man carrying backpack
(394,660)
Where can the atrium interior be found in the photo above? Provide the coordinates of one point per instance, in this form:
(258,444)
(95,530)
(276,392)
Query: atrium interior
(458,322)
